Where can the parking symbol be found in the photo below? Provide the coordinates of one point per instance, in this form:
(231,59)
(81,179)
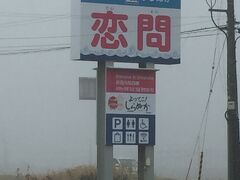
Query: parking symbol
(117,123)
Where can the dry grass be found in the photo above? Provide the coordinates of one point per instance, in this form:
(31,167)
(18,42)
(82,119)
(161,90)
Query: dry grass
(77,173)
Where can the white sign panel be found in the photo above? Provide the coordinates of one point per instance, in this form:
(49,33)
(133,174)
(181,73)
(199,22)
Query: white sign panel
(122,103)
(130,30)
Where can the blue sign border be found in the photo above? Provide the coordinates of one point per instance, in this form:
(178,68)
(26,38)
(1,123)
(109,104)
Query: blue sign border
(172,4)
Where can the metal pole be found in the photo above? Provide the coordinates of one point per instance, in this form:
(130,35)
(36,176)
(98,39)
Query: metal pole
(104,153)
(232,109)
(141,162)
(146,153)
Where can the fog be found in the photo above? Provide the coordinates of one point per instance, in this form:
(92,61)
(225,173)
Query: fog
(44,124)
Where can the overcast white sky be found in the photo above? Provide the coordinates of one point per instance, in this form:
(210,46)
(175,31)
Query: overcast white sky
(44,125)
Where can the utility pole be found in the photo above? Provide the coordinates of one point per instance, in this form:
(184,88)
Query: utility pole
(232,108)
(232,100)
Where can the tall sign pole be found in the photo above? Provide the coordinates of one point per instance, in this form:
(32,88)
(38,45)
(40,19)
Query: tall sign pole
(232,110)
(104,153)
(146,153)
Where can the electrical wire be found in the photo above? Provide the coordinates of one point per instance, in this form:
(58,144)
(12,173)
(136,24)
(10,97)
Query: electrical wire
(31,21)
(197,36)
(17,51)
(206,110)
(50,17)
(205,29)
(204,120)
(184,34)
(30,51)
(56,37)
(35,45)
(194,23)
(36,37)
(24,14)
(187,32)
(213,76)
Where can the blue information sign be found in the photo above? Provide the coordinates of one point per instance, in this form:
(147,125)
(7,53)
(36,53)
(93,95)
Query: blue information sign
(129,129)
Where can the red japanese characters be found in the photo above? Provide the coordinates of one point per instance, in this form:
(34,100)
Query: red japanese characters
(107,25)
(152,31)
(157,32)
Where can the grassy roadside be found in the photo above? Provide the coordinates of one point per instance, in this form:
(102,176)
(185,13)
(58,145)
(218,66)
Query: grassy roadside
(77,173)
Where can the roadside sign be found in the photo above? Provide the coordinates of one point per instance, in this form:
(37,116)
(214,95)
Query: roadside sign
(128,133)
(130,107)
(127,31)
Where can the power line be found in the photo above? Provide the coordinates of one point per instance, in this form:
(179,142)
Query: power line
(65,36)
(198,30)
(24,14)
(28,51)
(52,17)
(36,37)
(204,120)
(196,36)
(35,45)
(32,21)
(201,29)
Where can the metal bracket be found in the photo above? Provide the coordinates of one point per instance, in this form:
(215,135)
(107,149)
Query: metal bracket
(231,105)
(218,10)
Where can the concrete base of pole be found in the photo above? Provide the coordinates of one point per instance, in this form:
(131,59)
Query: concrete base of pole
(149,163)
